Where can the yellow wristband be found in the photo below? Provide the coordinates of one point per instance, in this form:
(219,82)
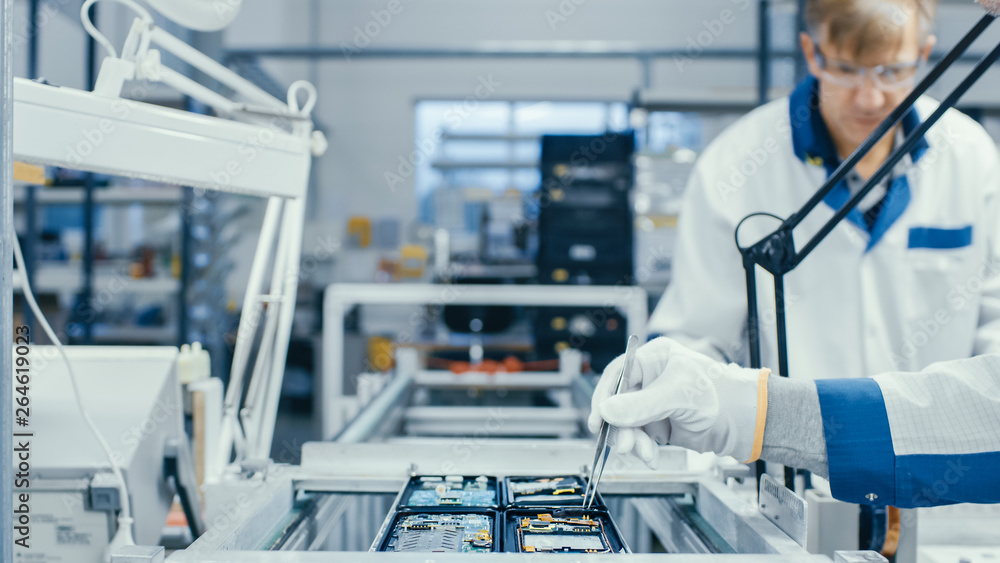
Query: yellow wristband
(758,436)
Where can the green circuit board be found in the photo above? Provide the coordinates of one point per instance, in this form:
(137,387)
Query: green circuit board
(442,533)
(453,491)
(545,533)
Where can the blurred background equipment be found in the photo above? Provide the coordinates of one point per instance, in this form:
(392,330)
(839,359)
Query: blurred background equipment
(585,237)
(432,297)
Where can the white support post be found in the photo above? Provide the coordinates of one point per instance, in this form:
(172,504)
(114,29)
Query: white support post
(295,211)
(247,329)
(253,404)
(331,385)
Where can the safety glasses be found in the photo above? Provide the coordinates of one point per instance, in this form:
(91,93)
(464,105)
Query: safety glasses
(890,77)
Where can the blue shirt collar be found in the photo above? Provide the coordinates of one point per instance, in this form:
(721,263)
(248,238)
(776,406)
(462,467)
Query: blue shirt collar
(812,144)
(811,138)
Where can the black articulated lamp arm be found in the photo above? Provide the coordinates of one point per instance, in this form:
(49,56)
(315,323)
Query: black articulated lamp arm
(776,252)
(892,120)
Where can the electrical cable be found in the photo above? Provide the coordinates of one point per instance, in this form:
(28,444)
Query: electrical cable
(96,34)
(736,232)
(124,534)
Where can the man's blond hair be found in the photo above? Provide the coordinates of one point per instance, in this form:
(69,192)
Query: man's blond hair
(864,26)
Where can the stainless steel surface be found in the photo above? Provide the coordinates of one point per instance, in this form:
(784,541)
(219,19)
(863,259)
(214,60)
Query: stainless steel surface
(339,299)
(6,266)
(366,557)
(740,523)
(532,380)
(674,532)
(564,422)
(383,464)
(732,471)
(834,524)
(379,413)
(603,445)
(328,518)
(313,526)
(728,514)
(397,459)
(349,484)
(858,557)
(138,554)
(388,519)
(785,508)
(369,467)
(244,512)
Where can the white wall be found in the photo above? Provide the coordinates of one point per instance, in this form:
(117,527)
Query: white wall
(367,104)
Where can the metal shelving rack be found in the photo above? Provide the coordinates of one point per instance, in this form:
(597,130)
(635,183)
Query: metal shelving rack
(31,197)
(69,280)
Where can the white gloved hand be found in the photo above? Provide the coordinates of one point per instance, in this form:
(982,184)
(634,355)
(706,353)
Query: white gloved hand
(678,396)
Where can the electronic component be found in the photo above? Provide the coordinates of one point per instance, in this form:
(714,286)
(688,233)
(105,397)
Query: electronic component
(450,491)
(546,491)
(441,532)
(562,531)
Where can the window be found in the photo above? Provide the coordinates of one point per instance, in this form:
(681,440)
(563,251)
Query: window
(491,147)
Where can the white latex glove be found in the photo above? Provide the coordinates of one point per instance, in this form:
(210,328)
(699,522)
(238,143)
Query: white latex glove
(677,396)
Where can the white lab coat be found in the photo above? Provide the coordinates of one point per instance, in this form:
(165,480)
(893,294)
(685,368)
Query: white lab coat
(925,291)
(915,439)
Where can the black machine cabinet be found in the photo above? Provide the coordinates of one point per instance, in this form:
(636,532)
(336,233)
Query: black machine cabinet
(585,237)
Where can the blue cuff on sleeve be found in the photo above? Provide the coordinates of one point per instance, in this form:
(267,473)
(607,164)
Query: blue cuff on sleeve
(934,480)
(858,441)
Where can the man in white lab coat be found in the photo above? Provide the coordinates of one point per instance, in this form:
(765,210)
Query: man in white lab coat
(906,439)
(910,277)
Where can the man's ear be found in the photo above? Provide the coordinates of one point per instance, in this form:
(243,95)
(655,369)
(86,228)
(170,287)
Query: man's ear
(809,52)
(925,51)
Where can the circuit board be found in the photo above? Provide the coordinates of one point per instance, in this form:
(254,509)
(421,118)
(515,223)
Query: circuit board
(548,533)
(452,491)
(442,533)
(545,491)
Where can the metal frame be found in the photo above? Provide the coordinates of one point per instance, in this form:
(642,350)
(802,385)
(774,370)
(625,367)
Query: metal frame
(368,557)
(390,412)
(6,268)
(209,144)
(86,294)
(28,249)
(763,50)
(385,467)
(367,463)
(491,50)
(339,299)
(100,131)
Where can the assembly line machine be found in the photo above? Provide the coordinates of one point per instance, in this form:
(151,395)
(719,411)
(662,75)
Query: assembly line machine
(338,502)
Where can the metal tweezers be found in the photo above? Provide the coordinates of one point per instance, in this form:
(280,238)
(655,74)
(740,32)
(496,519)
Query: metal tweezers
(603,448)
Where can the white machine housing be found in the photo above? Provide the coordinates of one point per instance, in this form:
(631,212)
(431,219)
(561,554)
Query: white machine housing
(134,396)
